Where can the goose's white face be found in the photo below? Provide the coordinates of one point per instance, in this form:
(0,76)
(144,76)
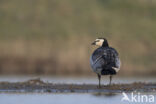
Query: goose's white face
(98,42)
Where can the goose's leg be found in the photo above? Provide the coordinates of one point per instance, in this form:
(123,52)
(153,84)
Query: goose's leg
(99,77)
(110,79)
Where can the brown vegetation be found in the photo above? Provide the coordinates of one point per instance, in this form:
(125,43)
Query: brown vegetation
(66,57)
(53,37)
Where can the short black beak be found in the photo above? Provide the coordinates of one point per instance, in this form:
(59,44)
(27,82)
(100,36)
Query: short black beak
(93,43)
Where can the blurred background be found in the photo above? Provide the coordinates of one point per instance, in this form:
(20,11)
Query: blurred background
(53,37)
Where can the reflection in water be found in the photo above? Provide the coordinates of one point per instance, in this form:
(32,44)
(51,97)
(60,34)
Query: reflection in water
(99,94)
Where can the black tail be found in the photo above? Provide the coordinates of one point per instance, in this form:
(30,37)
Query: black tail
(108,71)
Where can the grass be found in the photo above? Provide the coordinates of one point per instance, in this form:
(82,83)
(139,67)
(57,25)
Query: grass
(53,37)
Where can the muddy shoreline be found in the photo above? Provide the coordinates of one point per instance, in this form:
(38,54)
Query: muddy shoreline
(36,85)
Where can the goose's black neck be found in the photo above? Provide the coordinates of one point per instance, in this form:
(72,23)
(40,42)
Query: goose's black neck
(105,43)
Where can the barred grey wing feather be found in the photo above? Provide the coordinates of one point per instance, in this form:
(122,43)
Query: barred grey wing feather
(105,57)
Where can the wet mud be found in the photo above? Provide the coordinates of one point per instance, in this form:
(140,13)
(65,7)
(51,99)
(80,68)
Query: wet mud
(37,85)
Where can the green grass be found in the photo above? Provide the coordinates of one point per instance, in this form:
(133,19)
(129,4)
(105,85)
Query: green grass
(64,18)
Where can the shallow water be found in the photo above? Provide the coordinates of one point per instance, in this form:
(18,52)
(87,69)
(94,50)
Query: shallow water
(70,98)
(64,98)
(78,80)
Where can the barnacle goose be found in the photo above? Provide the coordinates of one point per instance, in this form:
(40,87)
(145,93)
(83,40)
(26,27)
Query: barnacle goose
(104,60)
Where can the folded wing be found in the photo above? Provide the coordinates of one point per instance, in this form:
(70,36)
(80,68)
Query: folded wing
(104,58)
